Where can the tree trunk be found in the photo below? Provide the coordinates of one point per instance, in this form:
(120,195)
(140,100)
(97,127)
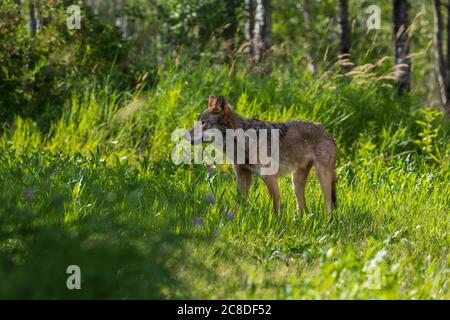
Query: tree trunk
(249,24)
(229,31)
(96,5)
(401,38)
(33,19)
(440,65)
(447,64)
(262,32)
(307,32)
(118,14)
(344,28)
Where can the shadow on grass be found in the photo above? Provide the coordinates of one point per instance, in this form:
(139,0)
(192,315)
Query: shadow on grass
(117,260)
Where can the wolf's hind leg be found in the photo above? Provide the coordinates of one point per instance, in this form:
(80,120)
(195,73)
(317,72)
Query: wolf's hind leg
(299,179)
(327,179)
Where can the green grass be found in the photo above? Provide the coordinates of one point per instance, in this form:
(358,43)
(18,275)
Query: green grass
(99,190)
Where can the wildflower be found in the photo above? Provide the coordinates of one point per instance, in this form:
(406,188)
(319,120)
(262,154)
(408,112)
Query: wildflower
(198,222)
(211,170)
(230,215)
(29,194)
(210,198)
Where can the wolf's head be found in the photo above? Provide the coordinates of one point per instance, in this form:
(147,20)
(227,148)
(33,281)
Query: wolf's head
(218,115)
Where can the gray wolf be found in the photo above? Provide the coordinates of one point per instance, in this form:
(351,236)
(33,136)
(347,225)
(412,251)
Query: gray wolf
(302,145)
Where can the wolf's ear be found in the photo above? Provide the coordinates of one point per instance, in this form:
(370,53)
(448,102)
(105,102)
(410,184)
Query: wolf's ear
(221,103)
(212,102)
(217,103)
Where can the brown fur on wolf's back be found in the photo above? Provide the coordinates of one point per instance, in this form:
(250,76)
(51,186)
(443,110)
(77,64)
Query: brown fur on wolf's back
(309,129)
(297,137)
(299,141)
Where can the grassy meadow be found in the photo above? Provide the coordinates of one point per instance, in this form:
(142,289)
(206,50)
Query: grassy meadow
(97,188)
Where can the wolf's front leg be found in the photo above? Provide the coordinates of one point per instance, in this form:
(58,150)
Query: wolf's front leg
(274,192)
(244,178)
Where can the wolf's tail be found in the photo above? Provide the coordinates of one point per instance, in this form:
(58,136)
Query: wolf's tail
(333,193)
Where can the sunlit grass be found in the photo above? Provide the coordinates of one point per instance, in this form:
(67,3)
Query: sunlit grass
(99,190)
